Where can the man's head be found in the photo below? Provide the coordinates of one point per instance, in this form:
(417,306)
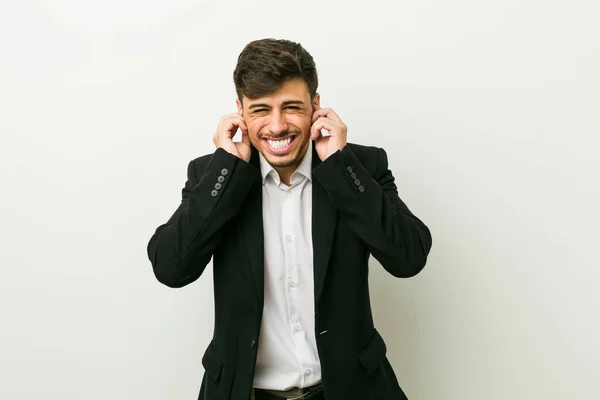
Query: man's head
(276,84)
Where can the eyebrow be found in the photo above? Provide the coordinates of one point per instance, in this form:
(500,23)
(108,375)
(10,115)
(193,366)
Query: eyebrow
(285,103)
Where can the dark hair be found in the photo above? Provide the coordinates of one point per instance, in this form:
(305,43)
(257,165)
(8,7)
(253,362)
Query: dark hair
(265,64)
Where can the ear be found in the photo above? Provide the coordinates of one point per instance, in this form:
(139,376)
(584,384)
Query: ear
(316,102)
(240,108)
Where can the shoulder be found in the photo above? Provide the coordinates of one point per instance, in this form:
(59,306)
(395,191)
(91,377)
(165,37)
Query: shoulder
(369,156)
(197,166)
(202,160)
(219,160)
(364,151)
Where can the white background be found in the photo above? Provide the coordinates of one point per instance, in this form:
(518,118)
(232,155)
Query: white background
(489,112)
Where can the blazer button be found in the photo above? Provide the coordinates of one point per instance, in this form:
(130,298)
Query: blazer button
(214,193)
(218,186)
(361,188)
(224,171)
(253,343)
(356,182)
(221,179)
(353,175)
(349,169)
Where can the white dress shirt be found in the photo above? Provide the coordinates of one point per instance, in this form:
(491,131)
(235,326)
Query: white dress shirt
(287,353)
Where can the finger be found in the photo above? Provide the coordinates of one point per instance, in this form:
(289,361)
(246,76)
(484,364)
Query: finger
(315,133)
(326,112)
(315,129)
(240,120)
(321,112)
(231,128)
(245,137)
(235,123)
(321,123)
(315,114)
(243,126)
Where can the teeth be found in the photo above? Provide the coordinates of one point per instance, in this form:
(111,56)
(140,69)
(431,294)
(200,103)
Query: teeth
(278,144)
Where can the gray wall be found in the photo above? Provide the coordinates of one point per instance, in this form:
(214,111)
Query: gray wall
(488,112)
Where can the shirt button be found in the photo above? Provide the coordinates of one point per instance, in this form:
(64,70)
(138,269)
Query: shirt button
(288,193)
(292,283)
(297,328)
(289,238)
(307,372)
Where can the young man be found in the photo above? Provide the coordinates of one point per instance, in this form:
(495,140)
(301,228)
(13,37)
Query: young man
(289,217)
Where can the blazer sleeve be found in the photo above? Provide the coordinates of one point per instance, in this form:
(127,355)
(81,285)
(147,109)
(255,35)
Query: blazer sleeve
(394,235)
(180,249)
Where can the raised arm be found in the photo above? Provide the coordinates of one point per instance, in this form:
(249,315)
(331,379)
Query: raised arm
(396,238)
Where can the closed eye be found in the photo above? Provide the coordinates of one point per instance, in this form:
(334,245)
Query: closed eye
(288,107)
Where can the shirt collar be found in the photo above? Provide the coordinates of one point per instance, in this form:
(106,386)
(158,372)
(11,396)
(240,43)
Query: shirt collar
(304,168)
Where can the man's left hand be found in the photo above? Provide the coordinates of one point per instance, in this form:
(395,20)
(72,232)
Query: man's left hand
(326,118)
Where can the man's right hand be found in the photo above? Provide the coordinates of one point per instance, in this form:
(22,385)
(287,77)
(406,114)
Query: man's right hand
(226,130)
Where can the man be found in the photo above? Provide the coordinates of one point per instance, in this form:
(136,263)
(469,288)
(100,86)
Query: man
(289,217)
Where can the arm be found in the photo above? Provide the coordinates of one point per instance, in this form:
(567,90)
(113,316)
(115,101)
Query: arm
(180,249)
(395,237)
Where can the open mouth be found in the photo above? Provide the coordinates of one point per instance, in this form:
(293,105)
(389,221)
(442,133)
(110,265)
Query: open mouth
(281,145)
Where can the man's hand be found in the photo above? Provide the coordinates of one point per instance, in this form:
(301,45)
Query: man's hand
(226,130)
(326,118)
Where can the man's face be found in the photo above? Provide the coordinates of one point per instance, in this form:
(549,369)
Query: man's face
(279,124)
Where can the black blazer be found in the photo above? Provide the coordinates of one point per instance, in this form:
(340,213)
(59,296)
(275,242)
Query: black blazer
(356,212)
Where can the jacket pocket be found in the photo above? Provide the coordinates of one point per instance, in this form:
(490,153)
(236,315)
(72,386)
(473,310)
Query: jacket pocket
(212,362)
(373,354)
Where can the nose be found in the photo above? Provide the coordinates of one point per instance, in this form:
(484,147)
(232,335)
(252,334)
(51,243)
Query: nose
(277,123)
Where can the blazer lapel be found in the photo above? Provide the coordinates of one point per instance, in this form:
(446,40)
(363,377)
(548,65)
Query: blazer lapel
(253,232)
(324,220)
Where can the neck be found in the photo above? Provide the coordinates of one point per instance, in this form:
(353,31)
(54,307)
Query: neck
(285,173)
